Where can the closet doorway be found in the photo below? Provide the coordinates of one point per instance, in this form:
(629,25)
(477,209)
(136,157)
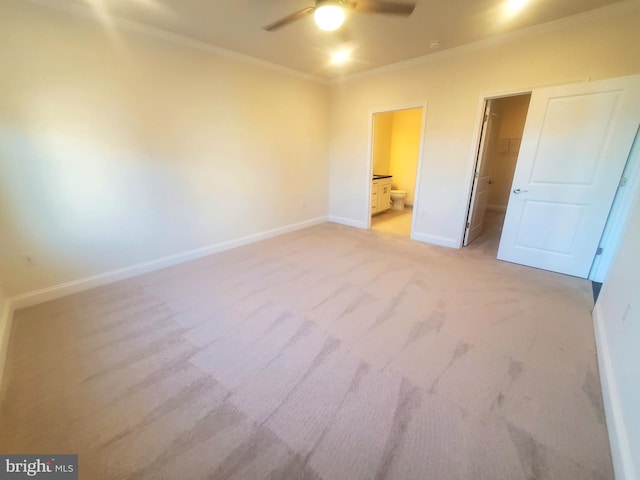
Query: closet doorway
(496,158)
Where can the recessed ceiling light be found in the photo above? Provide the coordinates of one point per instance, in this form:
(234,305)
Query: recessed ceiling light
(341,56)
(514,6)
(517,4)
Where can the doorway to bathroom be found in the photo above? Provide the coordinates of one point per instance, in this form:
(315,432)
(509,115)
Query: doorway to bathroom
(497,154)
(396,149)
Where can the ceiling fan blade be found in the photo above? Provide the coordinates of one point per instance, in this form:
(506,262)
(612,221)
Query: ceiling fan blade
(289,19)
(381,6)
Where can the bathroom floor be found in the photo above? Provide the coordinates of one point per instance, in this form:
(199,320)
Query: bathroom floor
(394,221)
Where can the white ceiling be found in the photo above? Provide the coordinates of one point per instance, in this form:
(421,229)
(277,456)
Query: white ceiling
(376,40)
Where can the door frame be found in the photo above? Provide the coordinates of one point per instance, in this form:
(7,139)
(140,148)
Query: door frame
(369,169)
(619,214)
(614,227)
(475,145)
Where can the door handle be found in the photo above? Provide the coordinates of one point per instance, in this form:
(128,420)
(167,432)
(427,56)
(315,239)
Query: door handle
(517,191)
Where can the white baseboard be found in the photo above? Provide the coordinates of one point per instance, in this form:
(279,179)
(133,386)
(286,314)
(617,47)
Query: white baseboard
(50,293)
(6,319)
(347,221)
(497,208)
(623,466)
(436,240)
(74,286)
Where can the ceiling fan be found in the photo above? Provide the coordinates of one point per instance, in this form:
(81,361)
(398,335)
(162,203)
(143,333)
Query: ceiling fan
(329,14)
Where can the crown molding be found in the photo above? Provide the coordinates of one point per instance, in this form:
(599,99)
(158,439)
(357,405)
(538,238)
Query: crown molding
(624,5)
(99,15)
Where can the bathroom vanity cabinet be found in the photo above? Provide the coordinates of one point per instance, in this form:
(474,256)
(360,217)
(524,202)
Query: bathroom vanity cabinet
(380,194)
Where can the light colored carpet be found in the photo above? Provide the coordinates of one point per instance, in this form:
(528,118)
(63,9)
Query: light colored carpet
(327,353)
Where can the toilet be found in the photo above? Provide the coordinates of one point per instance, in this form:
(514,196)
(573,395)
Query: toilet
(397,197)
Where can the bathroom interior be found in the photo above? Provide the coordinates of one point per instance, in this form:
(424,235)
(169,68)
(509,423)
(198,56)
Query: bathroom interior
(395,152)
(503,135)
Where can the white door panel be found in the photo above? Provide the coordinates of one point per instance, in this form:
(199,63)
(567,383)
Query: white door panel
(481,185)
(574,147)
(594,113)
(481,199)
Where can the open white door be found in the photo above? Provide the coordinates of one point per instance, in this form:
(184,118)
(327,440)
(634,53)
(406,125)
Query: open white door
(574,147)
(481,181)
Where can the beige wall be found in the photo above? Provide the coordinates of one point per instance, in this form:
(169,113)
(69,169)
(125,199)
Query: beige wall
(118,147)
(405,150)
(512,113)
(598,45)
(382,131)
(618,315)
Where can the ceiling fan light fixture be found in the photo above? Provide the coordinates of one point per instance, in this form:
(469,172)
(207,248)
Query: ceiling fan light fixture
(329,17)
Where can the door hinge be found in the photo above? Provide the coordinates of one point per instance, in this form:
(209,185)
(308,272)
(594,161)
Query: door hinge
(623,182)
(599,251)
(486,117)
(468,224)
(477,175)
